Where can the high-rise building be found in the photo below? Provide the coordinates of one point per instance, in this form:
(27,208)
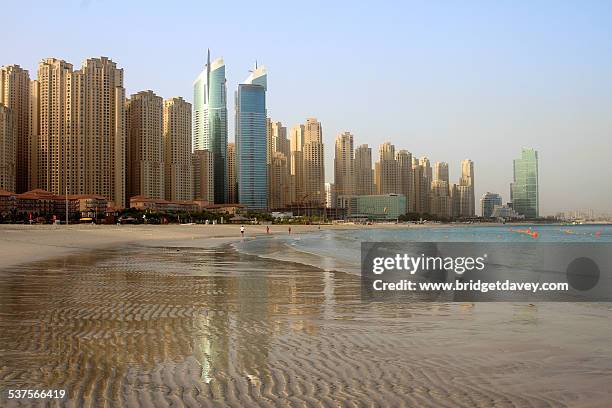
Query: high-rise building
(177,150)
(232,193)
(405,175)
(314,163)
(280,186)
(440,200)
(344,165)
(440,171)
(423,199)
(331,195)
(8,151)
(364,174)
(279,177)
(79,127)
(524,191)
(203,176)
(15,95)
(251,141)
(386,170)
(145,112)
(296,142)
(210,121)
(488,201)
(467,180)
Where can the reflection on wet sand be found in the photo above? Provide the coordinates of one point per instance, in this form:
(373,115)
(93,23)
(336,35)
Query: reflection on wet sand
(210,327)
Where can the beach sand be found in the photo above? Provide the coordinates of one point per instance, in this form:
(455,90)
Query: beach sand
(172,318)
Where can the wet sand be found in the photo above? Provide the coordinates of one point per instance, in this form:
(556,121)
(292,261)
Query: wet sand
(166,325)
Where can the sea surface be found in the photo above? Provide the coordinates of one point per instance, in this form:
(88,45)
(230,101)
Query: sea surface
(279,321)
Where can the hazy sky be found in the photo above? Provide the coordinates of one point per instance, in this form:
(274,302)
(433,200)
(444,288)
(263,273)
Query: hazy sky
(445,79)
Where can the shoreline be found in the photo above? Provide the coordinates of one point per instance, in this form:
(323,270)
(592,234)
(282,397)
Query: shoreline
(22,244)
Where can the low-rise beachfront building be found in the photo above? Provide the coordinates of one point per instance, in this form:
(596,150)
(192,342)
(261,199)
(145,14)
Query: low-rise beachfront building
(158,205)
(8,206)
(374,207)
(505,212)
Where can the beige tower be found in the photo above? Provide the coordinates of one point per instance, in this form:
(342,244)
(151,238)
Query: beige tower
(279,186)
(52,111)
(79,127)
(203,176)
(15,95)
(145,112)
(177,150)
(314,165)
(344,166)
(279,181)
(8,151)
(440,171)
(296,142)
(441,203)
(406,184)
(386,170)
(467,207)
(364,174)
(232,191)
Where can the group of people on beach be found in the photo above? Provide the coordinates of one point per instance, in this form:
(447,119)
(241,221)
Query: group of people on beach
(242,230)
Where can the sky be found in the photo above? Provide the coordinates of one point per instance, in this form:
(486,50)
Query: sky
(449,80)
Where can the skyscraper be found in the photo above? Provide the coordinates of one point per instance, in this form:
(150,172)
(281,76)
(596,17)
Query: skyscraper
(145,112)
(232,193)
(405,175)
(364,174)
(251,141)
(440,171)
(8,151)
(203,176)
(296,142)
(177,150)
(468,206)
(314,163)
(79,124)
(344,165)
(280,194)
(210,121)
(386,170)
(524,191)
(15,95)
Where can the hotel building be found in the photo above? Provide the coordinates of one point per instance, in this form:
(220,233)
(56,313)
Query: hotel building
(344,165)
(386,170)
(364,174)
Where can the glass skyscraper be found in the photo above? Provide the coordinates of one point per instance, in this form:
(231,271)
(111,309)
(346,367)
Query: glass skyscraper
(524,190)
(210,121)
(251,141)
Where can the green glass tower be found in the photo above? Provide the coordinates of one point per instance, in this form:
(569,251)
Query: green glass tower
(210,121)
(524,191)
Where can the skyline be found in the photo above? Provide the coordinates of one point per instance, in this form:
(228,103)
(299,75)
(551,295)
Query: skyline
(500,90)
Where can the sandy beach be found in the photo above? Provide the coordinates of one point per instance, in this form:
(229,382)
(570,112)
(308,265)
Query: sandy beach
(28,243)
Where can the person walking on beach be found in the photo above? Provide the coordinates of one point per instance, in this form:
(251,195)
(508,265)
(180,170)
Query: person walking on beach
(267,229)
(289,230)
(242,231)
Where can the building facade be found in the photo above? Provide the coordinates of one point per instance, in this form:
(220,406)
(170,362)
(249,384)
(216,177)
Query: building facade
(232,189)
(145,112)
(405,178)
(488,201)
(375,207)
(364,173)
(344,165)
(314,163)
(15,95)
(210,121)
(8,151)
(296,143)
(177,150)
(386,170)
(467,180)
(524,191)
(203,176)
(251,141)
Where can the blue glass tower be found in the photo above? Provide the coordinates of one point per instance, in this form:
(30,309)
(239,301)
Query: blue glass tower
(210,121)
(524,191)
(251,167)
